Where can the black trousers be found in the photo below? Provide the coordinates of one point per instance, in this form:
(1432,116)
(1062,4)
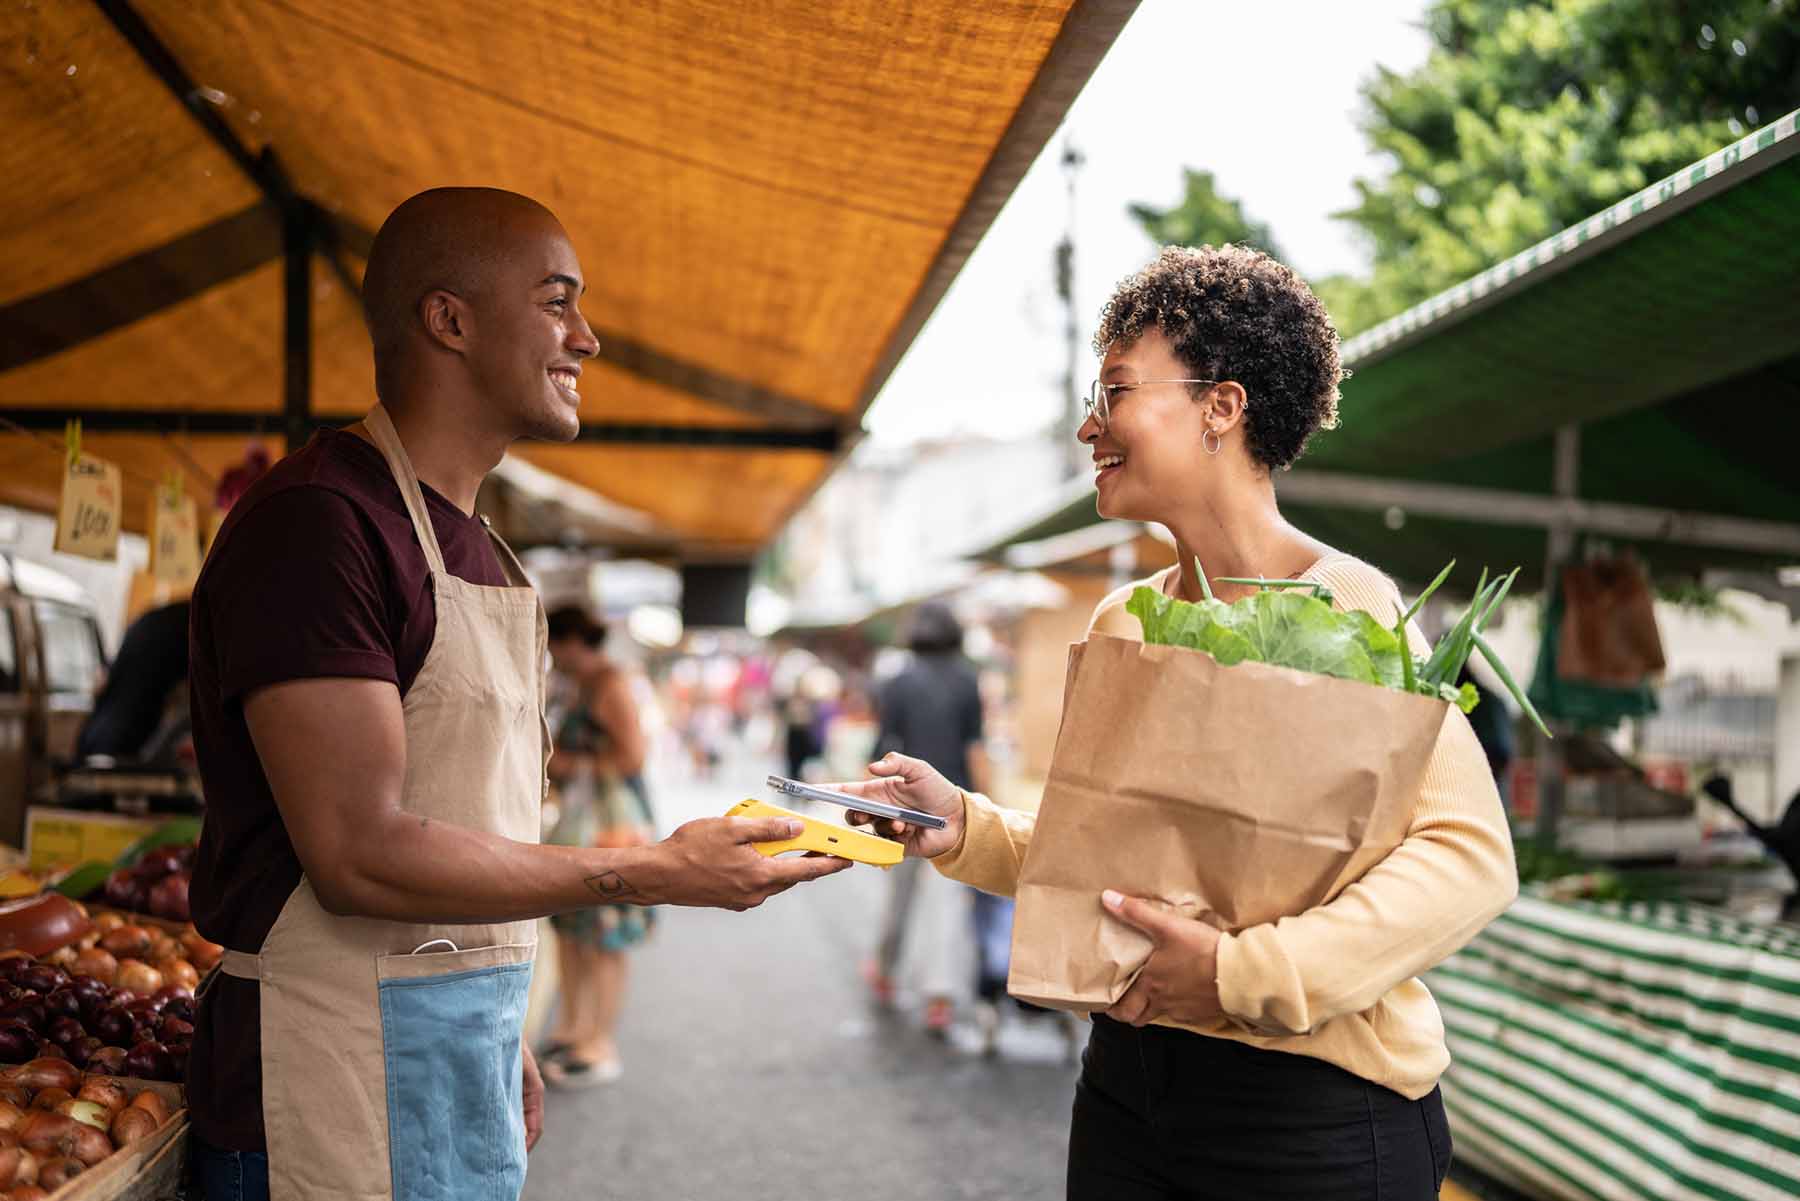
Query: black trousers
(1172,1116)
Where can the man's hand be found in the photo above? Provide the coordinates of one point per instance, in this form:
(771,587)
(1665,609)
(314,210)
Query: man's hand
(533,1094)
(711,863)
(1181,979)
(913,784)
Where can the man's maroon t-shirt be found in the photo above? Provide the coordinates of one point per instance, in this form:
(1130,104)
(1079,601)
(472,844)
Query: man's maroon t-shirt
(317,572)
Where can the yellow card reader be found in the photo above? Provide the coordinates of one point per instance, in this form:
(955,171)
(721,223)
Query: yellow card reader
(823,837)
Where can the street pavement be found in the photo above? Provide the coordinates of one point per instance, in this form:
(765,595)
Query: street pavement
(755,1069)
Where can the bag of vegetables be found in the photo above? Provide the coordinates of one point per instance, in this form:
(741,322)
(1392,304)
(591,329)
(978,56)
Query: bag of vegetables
(1245,762)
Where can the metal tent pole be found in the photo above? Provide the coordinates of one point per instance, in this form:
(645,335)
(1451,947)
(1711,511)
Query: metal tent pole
(1561,549)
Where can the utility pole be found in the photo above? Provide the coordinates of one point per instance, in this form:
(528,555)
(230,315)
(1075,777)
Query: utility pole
(1072,160)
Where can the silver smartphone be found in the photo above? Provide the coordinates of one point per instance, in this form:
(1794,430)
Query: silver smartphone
(915,817)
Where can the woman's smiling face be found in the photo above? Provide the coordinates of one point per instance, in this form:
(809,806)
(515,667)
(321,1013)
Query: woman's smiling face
(1152,440)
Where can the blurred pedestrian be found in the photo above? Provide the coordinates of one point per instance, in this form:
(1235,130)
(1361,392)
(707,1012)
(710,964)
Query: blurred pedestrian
(597,768)
(931,711)
(800,743)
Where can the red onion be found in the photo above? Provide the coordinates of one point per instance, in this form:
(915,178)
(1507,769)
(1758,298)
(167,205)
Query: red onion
(81,1052)
(17,1043)
(114,1026)
(169,898)
(149,1060)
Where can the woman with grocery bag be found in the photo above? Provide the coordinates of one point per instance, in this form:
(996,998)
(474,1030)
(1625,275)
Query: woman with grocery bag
(1260,1030)
(367,680)
(598,773)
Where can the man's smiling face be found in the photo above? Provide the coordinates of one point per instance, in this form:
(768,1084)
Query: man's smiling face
(531,338)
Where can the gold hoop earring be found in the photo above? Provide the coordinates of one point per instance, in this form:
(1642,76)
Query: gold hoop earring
(1216,442)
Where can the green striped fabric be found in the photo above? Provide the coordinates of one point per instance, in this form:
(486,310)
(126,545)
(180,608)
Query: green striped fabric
(1625,1051)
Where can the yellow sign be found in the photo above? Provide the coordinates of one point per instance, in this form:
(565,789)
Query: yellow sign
(174,535)
(66,837)
(87,522)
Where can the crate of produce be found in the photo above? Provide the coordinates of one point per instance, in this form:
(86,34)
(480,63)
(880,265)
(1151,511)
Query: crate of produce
(108,995)
(82,1137)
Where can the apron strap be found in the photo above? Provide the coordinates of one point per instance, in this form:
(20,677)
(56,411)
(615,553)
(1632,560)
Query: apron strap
(387,438)
(509,562)
(243,966)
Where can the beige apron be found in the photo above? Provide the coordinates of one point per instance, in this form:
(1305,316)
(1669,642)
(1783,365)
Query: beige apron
(390,1052)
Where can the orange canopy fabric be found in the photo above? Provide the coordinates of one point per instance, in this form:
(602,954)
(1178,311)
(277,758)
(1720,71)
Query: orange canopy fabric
(767,201)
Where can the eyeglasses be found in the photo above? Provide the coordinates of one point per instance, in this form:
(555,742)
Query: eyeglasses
(1100,396)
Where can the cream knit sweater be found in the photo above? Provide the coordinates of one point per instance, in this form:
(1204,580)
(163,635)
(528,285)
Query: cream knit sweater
(1340,981)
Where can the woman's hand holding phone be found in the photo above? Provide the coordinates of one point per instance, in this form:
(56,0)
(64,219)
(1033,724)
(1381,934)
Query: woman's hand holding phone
(913,784)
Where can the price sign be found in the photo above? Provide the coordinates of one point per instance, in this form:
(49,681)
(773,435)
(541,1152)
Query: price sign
(87,522)
(174,535)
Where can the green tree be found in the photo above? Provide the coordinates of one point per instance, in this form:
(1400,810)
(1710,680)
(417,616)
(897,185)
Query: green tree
(1204,217)
(1530,116)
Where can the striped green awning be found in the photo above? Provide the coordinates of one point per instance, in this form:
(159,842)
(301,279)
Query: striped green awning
(1626,1051)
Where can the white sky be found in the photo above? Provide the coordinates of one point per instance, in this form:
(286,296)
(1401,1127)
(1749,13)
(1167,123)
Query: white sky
(1264,95)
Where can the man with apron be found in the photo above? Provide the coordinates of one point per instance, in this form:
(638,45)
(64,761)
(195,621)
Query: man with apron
(367,679)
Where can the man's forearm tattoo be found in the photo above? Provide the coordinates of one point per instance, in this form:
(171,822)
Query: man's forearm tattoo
(610,886)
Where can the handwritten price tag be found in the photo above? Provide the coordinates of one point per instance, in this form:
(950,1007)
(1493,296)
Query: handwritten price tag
(174,536)
(87,521)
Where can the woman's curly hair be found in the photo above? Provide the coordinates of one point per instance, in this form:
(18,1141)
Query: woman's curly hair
(1233,313)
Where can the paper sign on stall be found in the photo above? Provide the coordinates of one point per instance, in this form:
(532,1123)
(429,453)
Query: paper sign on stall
(174,534)
(87,520)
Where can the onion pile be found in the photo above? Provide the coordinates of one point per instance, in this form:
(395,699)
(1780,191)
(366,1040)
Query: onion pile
(56,1123)
(136,1025)
(157,884)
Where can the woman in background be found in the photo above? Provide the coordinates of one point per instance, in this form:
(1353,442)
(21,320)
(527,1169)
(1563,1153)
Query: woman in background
(598,770)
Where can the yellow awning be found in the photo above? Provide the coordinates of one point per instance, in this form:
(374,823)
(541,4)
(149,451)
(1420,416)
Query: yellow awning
(768,201)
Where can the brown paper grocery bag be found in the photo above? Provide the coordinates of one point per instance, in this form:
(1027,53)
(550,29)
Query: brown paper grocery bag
(1236,795)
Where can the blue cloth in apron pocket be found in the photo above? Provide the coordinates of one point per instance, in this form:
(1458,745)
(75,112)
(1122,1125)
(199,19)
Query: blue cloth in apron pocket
(450,1029)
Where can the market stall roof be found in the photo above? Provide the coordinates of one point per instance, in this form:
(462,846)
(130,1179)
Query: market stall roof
(768,201)
(1658,341)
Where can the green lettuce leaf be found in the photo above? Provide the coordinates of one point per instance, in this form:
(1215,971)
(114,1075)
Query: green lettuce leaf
(1286,628)
(1292,623)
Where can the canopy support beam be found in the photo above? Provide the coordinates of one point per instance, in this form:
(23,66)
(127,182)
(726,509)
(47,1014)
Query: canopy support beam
(297,325)
(1497,507)
(114,297)
(225,422)
(327,232)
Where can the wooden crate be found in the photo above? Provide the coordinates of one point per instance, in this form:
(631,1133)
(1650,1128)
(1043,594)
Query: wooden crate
(145,1171)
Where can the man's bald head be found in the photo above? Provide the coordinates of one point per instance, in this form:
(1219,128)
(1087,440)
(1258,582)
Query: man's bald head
(454,239)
